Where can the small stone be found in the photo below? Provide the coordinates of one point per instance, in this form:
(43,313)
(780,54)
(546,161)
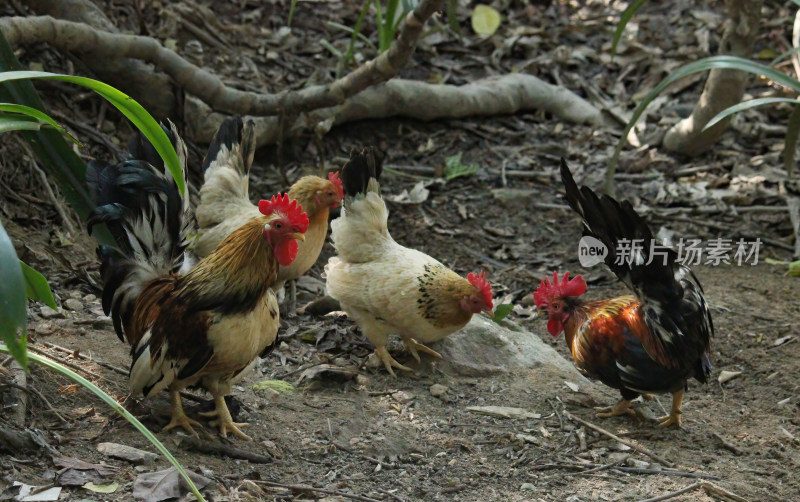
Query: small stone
(373,362)
(269,394)
(46,328)
(89,298)
(438,390)
(528,487)
(341,362)
(75,294)
(73,304)
(49,313)
(102,322)
(362,380)
(133,455)
(402,397)
(272,448)
(638,464)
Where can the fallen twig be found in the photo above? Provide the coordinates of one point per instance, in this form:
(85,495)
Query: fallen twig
(203,446)
(709,488)
(728,445)
(40,396)
(635,446)
(307,488)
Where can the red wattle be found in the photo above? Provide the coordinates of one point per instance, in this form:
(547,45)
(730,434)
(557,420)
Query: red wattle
(554,326)
(286,252)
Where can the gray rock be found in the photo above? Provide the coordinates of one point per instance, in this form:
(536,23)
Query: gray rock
(49,313)
(484,347)
(133,455)
(73,304)
(438,390)
(89,298)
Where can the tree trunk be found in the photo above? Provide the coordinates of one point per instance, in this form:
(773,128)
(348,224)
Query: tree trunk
(724,88)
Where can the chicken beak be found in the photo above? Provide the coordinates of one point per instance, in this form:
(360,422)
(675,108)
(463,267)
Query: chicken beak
(297,236)
(541,314)
(488,311)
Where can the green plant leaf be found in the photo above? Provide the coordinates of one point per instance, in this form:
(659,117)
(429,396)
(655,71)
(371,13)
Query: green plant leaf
(127,106)
(97,391)
(502,311)
(9,123)
(36,286)
(13,305)
(701,65)
(41,117)
(485,20)
(746,105)
(454,168)
(784,56)
(452,17)
(292,7)
(794,269)
(627,15)
(56,156)
(790,144)
(356,32)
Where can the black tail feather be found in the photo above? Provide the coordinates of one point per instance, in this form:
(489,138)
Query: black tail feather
(145,213)
(674,307)
(230,134)
(364,163)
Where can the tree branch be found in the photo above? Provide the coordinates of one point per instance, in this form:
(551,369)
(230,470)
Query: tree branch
(78,37)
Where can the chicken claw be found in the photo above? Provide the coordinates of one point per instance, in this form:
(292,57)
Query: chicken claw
(224,421)
(389,362)
(674,417)
(623,407)
(413,346)
(179,418)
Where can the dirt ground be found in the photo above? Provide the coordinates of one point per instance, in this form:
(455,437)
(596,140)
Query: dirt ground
(391,439)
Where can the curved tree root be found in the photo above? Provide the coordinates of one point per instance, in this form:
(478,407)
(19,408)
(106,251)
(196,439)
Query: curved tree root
(506,94)
(355,96)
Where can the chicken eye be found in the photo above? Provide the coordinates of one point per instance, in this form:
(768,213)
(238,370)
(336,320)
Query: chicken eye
(557,307)
(279,225)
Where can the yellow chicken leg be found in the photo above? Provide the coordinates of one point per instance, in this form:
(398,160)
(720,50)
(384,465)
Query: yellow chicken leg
(413,346)
(674,417)
(223,419)
(179,418)
(623,407)
(389,362)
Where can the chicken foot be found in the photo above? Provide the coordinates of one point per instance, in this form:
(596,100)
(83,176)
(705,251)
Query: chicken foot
(674,418)
(223,419)
(623,407)
(179,418)
(413,346)
(389,362)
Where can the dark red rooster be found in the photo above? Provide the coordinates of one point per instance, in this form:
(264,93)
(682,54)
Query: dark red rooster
(648,343)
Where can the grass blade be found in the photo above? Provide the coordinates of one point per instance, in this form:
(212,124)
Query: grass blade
(41,117)
(746,105)
(17,123)
(790,145)
(13,305)
(292,7)
(623,22)
(36,286)
(49,363)
(356,31)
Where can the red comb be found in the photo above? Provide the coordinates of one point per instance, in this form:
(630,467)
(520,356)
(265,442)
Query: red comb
(547,291)
(290,209)
(479,281)
(334,178)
